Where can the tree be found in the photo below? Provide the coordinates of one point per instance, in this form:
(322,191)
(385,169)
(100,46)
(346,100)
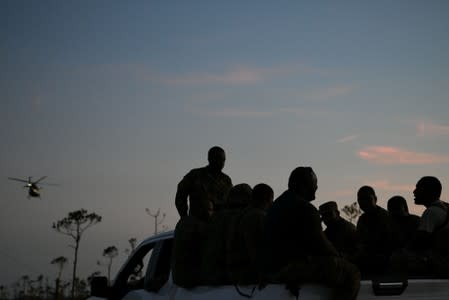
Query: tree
(60,263)
(74,226)
(4,293)
(26,283)
(39,289)
(156,216)
(110,253)
(352,212)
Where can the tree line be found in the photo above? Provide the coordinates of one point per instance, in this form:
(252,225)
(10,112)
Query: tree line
(73,226)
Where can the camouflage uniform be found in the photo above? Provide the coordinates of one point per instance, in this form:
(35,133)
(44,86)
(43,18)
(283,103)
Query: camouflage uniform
(429,253)
(243,244)
(221,225)
(190,234)
(296,250)
(404,228)
(343,235)
(377,240)
(200,183)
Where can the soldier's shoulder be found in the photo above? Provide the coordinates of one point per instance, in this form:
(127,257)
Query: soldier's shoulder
(196,172)
(225,177)
(348,225)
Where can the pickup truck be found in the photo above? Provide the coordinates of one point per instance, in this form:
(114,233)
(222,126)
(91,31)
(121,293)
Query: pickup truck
(146,275)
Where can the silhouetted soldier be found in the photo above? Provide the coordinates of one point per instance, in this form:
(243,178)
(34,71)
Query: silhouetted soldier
(431,243)
(341,233)
(296,249)
(208,181)
(214,259)
(189,243)
(245,240)
(375,232)
(404,224)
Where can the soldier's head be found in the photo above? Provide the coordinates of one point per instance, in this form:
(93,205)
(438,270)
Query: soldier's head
(239,196)
(303,182)
(216,157)
(262,196)
(367,199)
(428,190)
(329,212)
(397,206)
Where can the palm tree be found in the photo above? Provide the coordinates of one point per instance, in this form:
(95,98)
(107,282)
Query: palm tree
(74,226)
(60,262)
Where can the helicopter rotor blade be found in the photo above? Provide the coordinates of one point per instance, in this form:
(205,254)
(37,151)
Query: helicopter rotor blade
(40,179)
(18,179)
(49,184)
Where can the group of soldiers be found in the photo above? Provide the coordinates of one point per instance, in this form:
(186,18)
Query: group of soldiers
(235,234)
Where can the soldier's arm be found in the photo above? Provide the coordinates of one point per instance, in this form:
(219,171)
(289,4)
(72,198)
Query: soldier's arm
(181,195)
(323,245)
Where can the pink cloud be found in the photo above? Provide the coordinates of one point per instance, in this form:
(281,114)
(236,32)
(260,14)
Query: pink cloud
(427,128)
(393,155)
(341,193)
(387,186)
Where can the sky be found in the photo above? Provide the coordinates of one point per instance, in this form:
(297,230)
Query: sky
(116,101)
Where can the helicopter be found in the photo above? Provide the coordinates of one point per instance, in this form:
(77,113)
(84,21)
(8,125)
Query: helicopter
(33,188)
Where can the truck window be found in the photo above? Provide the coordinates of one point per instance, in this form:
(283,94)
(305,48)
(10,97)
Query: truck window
(159,267)
(132,275)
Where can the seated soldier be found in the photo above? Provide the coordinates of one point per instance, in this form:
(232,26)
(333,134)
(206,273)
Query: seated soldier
(404,224)
(245,238)
(341,233)
(429,250)
(295,249)
(188,246)
(375,232)
(213,263)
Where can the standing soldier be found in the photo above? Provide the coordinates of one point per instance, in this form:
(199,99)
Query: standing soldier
(208,181)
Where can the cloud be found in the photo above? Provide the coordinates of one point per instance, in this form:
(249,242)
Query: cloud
(235,75)
(235,113)
(340,193)
(431,129)
(393,155)
(347,139)
(331,92)
(304,112)
(243,74)
(385,185)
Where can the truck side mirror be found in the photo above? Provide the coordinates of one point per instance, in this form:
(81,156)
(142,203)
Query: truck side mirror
(99,286)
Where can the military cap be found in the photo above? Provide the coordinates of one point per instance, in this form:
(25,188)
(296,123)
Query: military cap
(328,206)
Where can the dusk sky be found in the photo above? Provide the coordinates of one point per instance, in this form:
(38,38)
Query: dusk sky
(117,101)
